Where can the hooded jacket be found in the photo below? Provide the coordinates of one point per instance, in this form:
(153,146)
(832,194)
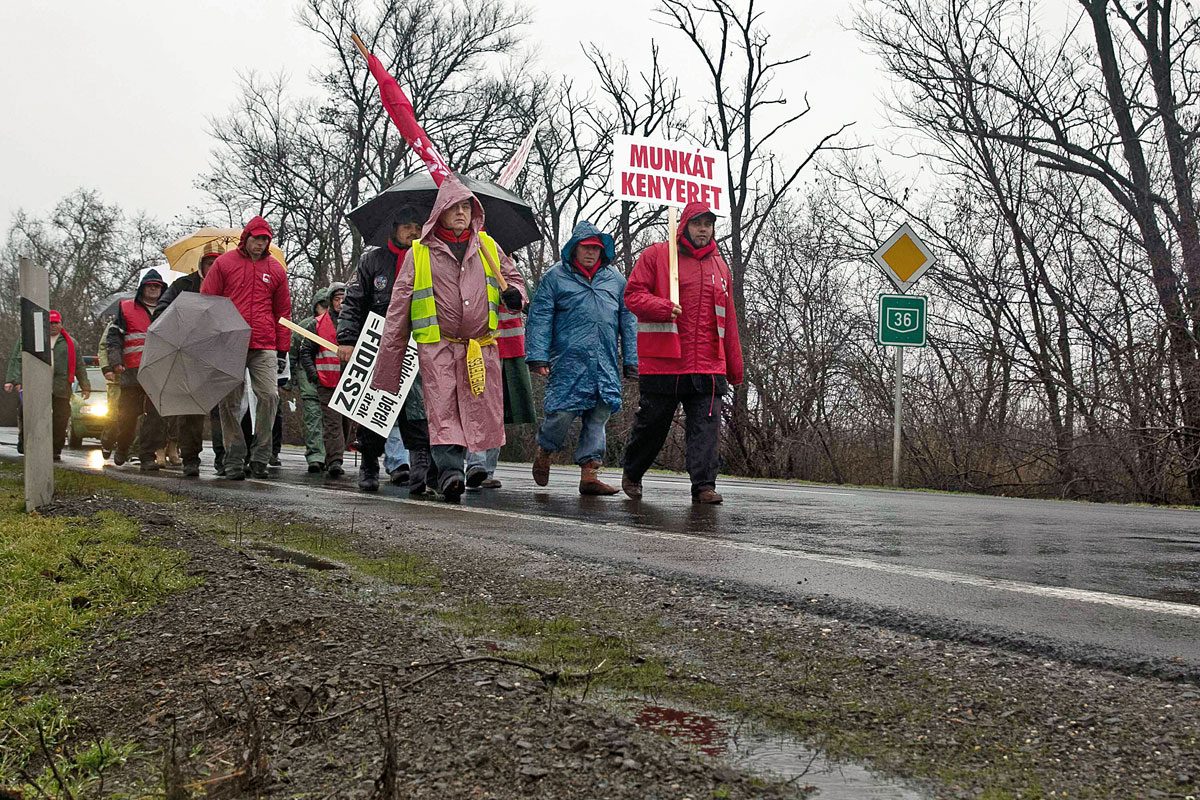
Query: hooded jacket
(574,324)
(705,287)
(456,415)
(188,283)
(299,379)
(259,290)
(120,326)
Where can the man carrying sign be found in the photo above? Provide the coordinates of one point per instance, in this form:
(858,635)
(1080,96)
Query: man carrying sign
(688,352)
(447,296)
(371,291)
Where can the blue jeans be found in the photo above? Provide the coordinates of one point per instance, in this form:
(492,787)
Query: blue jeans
(592,439)
(394,454)
(486,460)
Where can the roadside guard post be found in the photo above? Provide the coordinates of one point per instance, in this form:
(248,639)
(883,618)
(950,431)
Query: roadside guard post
(904,258)
(671,174)
(37,376)
(353,397)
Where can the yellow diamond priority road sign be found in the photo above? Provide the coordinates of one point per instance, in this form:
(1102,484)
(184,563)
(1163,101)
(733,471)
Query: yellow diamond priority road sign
(904,257)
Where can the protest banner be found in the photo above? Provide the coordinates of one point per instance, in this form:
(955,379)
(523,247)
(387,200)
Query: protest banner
(649,170)
(354,397)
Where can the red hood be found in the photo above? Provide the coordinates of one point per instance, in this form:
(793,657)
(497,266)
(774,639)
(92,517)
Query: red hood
(693,209)
(254,224)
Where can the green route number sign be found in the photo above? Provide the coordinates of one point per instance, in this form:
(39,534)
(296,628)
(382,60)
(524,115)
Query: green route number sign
(902,320)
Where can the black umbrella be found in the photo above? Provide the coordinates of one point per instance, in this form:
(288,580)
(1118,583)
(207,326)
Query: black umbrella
(108,306)
(509,219)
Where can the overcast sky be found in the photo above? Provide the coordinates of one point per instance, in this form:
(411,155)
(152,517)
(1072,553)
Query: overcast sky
(114,94)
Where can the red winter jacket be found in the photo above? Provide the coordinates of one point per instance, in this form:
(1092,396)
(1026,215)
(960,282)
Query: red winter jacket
(259,289)
(693,345)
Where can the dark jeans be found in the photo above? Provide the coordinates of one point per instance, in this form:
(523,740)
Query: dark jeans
(661,395)
(218,441)
(135,403)
(191,438)
(60,421)
(449,460)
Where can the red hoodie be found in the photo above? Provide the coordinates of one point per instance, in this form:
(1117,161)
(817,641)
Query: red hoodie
(695,343)
(259,289)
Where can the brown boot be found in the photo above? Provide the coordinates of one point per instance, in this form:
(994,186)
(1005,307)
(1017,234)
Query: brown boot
(589,480)
(631,487)
(541,467)
(708,497)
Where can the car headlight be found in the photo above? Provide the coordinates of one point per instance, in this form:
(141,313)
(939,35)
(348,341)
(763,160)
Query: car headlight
(96,409)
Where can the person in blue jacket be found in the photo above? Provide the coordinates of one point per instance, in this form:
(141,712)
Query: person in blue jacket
(575,320)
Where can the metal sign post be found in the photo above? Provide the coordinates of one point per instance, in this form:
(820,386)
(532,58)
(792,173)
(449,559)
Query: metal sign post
(904,258)
(37,379)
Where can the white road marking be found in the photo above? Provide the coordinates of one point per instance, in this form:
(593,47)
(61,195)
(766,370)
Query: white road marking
(1019,587)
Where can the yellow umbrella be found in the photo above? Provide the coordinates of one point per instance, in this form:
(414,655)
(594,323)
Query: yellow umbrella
(184,254)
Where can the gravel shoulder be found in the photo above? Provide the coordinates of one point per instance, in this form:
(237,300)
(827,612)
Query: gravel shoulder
(268,679)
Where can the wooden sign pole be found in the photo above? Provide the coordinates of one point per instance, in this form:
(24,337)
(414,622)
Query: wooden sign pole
(307,334)
(673,250)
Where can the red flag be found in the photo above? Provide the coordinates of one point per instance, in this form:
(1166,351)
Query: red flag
(400,109)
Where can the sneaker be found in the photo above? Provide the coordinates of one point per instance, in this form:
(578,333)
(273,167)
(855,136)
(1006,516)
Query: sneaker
(234,475)
(315,467)
(453,490)
(258,470)
(707,497)
(120,458)
(631,487)
(334,470)
(191,470)
(491,483)
(400,475)
(219,469)
(275,462)
(476,476)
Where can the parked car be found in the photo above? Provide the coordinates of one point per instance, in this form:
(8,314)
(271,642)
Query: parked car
(89,417)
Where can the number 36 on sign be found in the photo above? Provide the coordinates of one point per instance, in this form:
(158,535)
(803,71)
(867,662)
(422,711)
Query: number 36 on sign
(902,320)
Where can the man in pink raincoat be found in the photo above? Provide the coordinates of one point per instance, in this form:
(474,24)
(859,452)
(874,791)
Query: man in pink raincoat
(448,298)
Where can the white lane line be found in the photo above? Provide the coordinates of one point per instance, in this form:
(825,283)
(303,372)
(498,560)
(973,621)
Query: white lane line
(740,483)
(1045,592)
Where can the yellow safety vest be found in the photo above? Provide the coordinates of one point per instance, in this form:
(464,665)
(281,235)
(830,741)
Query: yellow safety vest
(424,310)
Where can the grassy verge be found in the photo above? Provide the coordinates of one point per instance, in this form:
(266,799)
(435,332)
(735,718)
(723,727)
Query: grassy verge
(59,578)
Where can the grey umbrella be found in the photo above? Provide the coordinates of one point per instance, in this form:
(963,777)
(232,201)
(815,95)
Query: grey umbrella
(195,354)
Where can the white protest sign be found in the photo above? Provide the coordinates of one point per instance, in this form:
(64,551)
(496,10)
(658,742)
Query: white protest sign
(647,170)
(354,397)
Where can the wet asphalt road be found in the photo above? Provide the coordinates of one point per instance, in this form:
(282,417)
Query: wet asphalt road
(1108,585)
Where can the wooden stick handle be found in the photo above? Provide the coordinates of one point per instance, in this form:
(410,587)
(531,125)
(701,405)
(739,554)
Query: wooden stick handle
(307,334)
(495,268)
(361,47)
(673,251)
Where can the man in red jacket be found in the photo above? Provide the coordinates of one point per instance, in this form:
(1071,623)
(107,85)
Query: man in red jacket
(688,353)
(257,284)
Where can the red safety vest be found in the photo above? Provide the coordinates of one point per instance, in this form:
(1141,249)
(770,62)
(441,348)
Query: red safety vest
(510,333)
(137,322)
(329,366)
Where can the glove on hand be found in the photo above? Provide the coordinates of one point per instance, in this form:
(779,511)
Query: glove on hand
(512,298)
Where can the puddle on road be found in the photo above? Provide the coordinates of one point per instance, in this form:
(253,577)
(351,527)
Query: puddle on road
(768,753)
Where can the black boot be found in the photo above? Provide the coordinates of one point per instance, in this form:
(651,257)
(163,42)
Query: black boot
(368,474)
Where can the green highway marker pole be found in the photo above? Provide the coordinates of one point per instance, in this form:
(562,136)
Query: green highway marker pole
(896,426)
(37,378)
